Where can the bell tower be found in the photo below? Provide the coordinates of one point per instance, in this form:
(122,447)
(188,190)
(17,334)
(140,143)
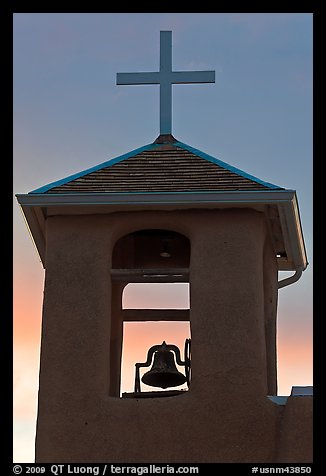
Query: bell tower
(166,212)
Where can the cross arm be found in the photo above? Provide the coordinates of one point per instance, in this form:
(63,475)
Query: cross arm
(138,78)
(188,77)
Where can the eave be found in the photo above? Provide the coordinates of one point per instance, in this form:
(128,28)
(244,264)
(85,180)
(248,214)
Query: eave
(279,206)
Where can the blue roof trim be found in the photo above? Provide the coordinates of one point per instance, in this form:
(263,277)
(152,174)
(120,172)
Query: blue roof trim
(108,163)
(219,162)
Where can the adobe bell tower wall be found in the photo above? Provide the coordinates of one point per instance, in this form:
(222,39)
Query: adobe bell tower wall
(225,416)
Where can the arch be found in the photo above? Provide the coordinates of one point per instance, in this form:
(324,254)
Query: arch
(151,248)
(162,224)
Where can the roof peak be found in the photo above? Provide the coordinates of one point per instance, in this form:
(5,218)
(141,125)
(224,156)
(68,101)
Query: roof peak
(165,139)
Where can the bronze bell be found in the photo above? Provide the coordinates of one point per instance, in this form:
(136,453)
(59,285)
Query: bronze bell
(164,372)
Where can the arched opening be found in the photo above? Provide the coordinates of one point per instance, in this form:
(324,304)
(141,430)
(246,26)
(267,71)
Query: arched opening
(150,298)
(152,248)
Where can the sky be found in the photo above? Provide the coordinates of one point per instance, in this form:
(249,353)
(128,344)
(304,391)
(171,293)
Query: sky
(70,115)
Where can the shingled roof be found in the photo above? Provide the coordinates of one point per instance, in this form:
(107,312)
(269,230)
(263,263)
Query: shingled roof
(166,165)
(166,175)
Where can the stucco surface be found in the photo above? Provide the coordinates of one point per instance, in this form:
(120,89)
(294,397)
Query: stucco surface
(225,416)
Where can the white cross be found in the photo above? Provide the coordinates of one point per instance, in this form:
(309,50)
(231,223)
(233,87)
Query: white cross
(165,77)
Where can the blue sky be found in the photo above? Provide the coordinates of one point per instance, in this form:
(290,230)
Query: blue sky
(70,115)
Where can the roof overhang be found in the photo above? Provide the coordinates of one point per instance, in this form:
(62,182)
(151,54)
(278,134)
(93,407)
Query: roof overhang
(279,206)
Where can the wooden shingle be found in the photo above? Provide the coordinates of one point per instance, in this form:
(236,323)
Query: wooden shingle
(162,168)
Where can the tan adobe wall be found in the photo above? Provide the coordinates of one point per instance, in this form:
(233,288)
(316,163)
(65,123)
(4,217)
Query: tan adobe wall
(226,416)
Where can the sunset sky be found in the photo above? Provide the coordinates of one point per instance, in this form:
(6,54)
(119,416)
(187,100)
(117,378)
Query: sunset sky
(70,115)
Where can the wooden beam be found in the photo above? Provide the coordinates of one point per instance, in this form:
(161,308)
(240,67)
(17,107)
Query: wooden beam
(151,275)
(130,315)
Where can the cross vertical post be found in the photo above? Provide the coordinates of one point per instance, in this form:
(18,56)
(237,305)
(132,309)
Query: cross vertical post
(165,85)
